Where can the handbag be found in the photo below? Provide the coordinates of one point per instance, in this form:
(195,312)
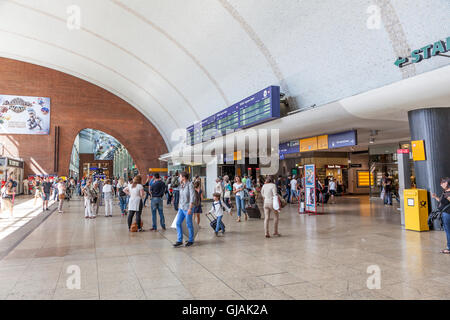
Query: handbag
(174,223)
(62,196)
(276,203)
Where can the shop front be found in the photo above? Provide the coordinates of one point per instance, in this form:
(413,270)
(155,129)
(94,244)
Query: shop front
(12,169)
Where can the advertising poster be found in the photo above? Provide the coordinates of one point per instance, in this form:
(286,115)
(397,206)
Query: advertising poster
(310,188)
(24,115)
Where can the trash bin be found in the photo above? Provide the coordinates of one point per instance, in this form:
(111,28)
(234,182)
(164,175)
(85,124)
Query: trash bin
(416,209)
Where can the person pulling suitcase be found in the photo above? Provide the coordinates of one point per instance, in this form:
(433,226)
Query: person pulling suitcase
(216,212)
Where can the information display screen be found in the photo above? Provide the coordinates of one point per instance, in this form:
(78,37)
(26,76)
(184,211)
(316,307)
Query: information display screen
(258,108)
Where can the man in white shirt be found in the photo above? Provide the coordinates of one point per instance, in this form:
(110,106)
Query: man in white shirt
(293,188)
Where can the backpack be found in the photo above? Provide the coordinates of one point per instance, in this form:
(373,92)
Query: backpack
(175,183)
(121,193)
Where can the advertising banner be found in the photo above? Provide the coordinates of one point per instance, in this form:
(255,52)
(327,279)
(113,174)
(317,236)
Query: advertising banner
(310,188)
(24,115)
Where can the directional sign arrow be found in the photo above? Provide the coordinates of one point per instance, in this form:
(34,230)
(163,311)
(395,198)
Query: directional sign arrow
(400,61)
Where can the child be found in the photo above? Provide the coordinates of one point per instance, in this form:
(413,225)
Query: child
(217,208)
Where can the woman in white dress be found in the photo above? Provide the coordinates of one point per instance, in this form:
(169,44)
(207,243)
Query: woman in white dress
(135,204)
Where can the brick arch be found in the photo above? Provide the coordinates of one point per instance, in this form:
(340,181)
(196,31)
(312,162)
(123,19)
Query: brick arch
(75,105)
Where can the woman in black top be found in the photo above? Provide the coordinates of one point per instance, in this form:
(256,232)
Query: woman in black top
(444,207)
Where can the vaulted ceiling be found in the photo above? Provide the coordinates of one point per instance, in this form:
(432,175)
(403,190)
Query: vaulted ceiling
(178,61)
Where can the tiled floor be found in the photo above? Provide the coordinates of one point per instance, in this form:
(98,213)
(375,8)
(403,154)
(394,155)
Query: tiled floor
(317,257)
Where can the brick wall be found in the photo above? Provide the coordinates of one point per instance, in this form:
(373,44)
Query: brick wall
(75,105)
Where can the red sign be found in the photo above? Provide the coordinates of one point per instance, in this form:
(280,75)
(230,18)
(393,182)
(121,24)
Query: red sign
(400,151)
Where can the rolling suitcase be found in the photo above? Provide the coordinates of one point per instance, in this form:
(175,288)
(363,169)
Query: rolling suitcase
(213,221)
(253,212)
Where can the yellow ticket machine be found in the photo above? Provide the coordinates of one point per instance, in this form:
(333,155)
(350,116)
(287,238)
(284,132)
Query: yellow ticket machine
(416,209)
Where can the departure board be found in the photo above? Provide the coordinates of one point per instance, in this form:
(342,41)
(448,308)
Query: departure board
(258,108)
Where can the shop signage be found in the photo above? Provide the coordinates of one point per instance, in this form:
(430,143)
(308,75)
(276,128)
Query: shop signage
(425,52)
(402,151)
(343,139)
(258,108)
(335,166)
(157,169)
(355,165)
(15,163)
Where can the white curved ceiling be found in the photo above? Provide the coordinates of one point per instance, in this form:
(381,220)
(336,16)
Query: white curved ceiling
(178,61)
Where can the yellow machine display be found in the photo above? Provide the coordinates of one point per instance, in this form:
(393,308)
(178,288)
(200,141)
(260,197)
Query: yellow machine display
(416,209)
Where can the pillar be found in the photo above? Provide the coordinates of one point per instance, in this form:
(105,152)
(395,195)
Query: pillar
(432,126)
(404,178)
(211,176)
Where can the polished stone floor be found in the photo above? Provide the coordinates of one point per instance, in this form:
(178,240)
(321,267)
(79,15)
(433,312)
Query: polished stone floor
(317,257)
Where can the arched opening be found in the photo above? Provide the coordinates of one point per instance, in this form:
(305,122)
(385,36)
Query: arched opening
(100,155)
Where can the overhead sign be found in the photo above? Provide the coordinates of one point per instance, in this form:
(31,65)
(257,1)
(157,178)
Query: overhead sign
(342,139)
(289,147)
(24,115)
(425,52)
(308,144)
(322,142)
(258,108)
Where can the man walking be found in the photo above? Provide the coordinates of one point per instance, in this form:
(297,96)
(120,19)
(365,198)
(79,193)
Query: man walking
(187,195)
(176,191)
(157,192)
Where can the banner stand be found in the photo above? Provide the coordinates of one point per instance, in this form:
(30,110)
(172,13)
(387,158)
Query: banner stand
(310,189)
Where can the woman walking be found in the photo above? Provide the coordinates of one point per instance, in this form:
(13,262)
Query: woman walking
(7,198)
(197,210)
(238,190)
(61,194)
(268,192)
(88,199)
(444,207)
(136,193)
(227,191)
(97,196)
(108,192)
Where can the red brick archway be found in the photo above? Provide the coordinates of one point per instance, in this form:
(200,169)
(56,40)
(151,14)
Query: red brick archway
(75,105)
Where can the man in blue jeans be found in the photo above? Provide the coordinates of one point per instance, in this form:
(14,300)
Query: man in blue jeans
(187,194)
(157,189)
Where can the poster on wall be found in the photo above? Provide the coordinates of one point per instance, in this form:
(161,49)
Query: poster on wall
(310,188)
(24,115)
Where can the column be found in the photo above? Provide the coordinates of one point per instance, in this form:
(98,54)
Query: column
(211,176)
(432,126)
(404,178)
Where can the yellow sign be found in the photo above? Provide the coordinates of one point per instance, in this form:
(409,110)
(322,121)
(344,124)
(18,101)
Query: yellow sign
(157,169)
(237,155)
(364,179)
(322,142)
(308,144)
(418,150)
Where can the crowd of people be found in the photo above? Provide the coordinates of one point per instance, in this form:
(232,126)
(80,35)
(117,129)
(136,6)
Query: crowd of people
(186,195)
